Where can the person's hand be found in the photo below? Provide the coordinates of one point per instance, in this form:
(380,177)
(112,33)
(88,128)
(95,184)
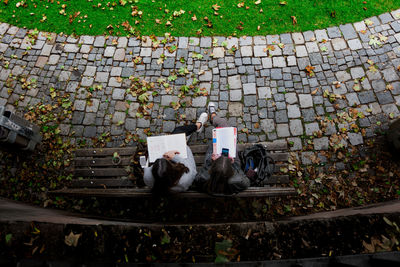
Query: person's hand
(170,154)
(215,156)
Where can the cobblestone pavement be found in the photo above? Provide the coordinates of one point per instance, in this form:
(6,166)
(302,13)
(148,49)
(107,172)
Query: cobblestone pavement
(330,87)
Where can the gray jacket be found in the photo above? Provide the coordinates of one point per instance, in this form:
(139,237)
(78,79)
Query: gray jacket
(238,182)
(187,178)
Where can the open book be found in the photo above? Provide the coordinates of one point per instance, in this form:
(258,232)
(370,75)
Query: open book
(225,138)
(158,145)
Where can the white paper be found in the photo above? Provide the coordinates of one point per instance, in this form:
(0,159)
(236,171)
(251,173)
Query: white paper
(158,145)
(225,138)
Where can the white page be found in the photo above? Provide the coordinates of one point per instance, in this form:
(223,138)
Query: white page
(158,145)
(225,138)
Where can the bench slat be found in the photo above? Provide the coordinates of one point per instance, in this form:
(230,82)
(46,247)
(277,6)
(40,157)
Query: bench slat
(101,152)
(99,162)
(279,145)
(110,182)
(101,172)
(279,156)
(133,193)
(101,183)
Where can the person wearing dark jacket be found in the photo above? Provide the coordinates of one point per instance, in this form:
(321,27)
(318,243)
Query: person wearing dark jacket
(220,174)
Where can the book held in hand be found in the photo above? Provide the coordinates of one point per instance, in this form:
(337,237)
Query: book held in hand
(224,141)
(158,145)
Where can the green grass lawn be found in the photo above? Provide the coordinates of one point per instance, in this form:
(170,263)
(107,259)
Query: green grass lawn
(188,18)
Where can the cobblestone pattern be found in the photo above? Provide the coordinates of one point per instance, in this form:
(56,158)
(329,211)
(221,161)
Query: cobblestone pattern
(263,87)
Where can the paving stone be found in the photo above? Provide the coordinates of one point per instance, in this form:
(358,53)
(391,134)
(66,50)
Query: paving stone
(281,116)
(282,130)
(390,75)
(366,97)
(298,38)
(235,95)
(118,94)
(246,51)
(296,127)
(301,51)
(334,32)
(391,110)
(291,98)
(130,124)
(235,109)
(79,105)
(355,138)
(321,143)
(321,35)
(167,99)
(279,62)
(293,111)
(339,44)
(305,100)
(102,77)
(348,31)
(267,63)
(206,76)
(234,82)
(119,54)
(90,71)
(384,97)
(311,128)
(312,47)
(352,99)
(90,119)
(109,51)
(276,74)
(386,18)
(259,51)
(357,72)
(342,76)
(250,100)
(200,101)
(218,52)
(71,48)
(249,88)
(354,44)
(41,62)
(86,81)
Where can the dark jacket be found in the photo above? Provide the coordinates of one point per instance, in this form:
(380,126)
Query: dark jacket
(237,183)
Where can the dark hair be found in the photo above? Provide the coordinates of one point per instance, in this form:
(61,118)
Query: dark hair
(220,172)
(166,174)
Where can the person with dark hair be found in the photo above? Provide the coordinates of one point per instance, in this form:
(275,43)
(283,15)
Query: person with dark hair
(173,173)
(220,174)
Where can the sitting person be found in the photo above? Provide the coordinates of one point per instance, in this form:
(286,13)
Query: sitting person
(172,173)
(220,174)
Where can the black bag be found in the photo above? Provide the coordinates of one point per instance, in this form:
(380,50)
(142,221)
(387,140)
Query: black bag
(137,170)
(257,164)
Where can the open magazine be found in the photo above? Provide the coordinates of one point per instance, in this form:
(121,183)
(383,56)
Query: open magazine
(224,140)
(158,145)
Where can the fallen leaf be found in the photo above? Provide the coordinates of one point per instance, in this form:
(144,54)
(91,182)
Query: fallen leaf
(71,240)
(294,20)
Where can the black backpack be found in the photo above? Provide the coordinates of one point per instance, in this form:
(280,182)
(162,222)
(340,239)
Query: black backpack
(257,164)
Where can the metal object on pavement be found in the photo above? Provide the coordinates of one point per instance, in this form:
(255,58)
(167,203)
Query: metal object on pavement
(18,131)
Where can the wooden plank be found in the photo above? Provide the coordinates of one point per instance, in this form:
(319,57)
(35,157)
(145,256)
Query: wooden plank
(278,145)
(101,183)
(199,149)
(98,162)
(277,179)
(279,156)
(100,172)
(99,152)
(136,193)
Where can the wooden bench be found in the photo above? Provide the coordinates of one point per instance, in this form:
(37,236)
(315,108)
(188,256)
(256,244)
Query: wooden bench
(106,172)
